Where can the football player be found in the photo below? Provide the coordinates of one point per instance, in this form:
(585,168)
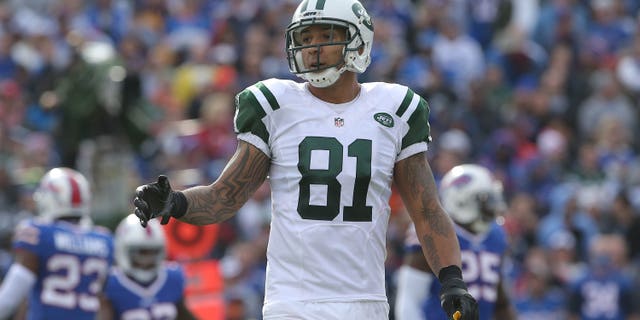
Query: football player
(331,147)
(474,199)
(142,285)
(61,261)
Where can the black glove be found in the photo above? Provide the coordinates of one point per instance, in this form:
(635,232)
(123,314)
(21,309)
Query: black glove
(454,295)
(159,200)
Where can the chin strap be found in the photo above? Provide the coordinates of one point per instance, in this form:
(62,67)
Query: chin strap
(480,226)
(324,78)
(143,276)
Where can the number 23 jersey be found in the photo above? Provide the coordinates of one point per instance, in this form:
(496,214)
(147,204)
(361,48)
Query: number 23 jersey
(330,176)
(73,262)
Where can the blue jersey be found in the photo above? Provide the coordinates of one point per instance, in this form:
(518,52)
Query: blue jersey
(73,262)
(131,300)
(481,269)
(607,296)
(551,306)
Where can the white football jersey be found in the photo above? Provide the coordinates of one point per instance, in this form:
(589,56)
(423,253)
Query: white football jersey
(330,176)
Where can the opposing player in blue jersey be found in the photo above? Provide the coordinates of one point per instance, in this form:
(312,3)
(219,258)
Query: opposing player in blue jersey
(142,285)
(61,261)
(473,198)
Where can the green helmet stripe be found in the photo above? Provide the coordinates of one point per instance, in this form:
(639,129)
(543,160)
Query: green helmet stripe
(319,5)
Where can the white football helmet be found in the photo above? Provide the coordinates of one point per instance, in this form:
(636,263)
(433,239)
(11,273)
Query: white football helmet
(63,193)
(349,14)
(139,252)
(472,196)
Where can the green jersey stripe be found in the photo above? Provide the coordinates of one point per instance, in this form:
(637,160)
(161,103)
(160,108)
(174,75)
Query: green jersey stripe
(249,114)
(267,94)
(411,107)
(405,103)
(419,129)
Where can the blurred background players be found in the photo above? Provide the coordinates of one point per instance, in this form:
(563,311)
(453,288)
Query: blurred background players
(606,290)
(537,296)
(61,261)
(473,198)
(142,285)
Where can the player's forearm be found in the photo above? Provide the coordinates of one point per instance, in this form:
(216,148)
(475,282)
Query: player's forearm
(506,313)
(106,309)
(439,242)
(207,205)
(183,312)
(412,291)
(242,176)
(434,228)
(504,307)
(15,287)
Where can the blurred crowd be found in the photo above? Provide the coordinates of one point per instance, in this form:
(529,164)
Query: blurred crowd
(543,92)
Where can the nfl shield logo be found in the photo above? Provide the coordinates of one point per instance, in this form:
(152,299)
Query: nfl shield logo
(338,122)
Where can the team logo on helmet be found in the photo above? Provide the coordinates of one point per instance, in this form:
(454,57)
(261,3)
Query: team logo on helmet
(460,181)
(361,13)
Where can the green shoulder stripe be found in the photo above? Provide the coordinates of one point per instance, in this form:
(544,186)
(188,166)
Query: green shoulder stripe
(249,114)
(419,129)
(405,103)
(268,95)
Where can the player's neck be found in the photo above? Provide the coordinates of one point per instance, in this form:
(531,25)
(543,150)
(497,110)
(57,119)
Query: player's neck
(72,220)
(144,284)
(345,89)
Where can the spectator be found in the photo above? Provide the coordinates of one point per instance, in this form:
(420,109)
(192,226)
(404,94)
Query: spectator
(606,101)
(457,56)
(606,290)
(540,297)
(628,68)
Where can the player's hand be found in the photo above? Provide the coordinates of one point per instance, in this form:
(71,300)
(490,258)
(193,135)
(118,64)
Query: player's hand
(157,199)
(455,298)
(456,301)
(459,305)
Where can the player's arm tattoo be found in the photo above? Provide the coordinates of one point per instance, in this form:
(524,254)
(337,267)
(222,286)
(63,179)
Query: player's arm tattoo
(244,173)
(415,182)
